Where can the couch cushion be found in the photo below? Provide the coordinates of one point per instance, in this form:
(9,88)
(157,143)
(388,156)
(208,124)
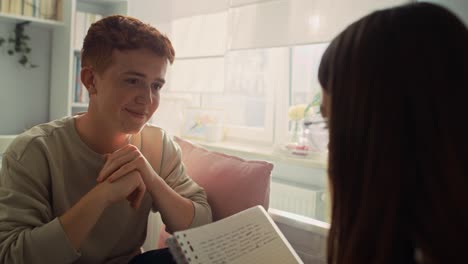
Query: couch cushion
(231,183)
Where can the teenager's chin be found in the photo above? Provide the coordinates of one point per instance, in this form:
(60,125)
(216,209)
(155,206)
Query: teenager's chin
(132,128)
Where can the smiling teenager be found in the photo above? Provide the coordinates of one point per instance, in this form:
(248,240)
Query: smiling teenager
(80,189)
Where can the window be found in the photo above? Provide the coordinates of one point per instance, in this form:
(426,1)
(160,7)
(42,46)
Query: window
(254,59)
(254,86)
(305,88)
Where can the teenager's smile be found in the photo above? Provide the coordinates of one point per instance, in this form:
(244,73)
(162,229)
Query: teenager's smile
(136,114)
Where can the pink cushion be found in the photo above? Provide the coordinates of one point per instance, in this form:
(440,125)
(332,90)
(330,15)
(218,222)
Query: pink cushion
(231,183)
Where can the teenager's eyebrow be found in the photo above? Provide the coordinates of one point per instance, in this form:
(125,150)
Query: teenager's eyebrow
(139,74)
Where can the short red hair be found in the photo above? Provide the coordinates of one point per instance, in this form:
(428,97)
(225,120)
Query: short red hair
(121,33)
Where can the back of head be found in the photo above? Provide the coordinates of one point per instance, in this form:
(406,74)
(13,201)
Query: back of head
(398,163)
(121,33)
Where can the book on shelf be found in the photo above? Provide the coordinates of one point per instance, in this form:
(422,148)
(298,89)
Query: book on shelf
(4,6)
(45,9)
(16,7)
(250,236)
(28,8)
(80,93)
(82,22)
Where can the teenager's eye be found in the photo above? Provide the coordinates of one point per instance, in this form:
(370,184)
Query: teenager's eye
(156,86)
(132,81)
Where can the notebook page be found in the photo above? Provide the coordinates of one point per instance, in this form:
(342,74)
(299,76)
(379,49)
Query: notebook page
(248,237)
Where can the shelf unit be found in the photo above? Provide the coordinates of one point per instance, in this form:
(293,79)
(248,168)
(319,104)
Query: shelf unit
(24,93)
(5,17)
(32,96)
(62,89)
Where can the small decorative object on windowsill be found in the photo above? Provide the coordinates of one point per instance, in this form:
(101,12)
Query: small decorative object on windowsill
(301,141)
(204,124)
(296,145)
(296,116)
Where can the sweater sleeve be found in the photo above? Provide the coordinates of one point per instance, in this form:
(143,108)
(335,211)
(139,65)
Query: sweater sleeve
(173,172)
(29,233)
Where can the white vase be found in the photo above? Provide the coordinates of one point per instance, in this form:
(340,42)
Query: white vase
(296,131)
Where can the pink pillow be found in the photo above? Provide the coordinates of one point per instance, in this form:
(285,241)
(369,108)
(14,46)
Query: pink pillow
(231,183)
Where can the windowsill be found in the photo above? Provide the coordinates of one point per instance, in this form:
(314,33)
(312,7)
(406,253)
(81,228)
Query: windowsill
(301,222)
(262,152)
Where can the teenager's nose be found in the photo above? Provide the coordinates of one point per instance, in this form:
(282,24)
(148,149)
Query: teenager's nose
(145,96)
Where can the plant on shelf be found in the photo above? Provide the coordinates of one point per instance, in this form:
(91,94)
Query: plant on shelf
(18,44)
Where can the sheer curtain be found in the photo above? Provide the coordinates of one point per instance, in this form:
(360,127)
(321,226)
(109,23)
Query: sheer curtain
(238,55)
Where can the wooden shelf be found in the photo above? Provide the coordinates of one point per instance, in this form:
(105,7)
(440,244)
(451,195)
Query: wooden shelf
(12,18)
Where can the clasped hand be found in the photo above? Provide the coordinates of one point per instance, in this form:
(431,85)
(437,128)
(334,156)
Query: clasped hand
(126,173)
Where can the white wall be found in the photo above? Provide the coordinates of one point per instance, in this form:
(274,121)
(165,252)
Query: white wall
(459,7)
(24,93)
(160,11)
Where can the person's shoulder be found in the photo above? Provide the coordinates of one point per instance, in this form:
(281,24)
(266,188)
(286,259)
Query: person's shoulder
(34,137)
(161,136)
(154,131)
(152,127)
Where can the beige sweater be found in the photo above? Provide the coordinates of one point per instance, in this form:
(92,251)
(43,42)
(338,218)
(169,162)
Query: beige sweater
(47,169)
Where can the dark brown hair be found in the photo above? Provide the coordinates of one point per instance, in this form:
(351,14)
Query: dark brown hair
(398,152)
(121,33)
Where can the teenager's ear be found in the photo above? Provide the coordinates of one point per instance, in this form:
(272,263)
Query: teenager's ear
(88,78)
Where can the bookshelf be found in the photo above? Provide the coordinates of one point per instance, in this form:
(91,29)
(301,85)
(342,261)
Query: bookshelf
(65,101)
(32,96)
(47,23)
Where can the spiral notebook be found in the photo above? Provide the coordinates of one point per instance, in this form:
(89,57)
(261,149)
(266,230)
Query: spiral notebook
(250,236)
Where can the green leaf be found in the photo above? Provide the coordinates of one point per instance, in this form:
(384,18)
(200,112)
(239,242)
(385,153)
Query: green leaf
(23,60)
(10,52)
(27,50)
(33,66)
(317,99)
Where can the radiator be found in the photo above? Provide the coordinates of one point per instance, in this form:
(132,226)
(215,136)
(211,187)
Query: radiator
(309,202)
